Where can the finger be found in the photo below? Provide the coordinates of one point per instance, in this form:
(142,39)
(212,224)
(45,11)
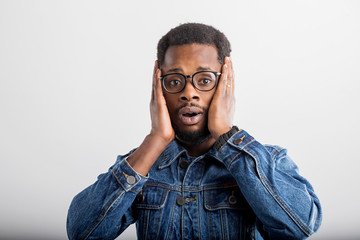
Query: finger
(231,75)
(158,86)
(229,83)
(232,80)
(154,80)
(223,80)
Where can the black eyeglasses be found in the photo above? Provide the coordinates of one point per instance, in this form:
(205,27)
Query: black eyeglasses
(202,80)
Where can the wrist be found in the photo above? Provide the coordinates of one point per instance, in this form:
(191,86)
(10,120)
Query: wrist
(147,153)
(216,135)
(221,141)
(159,140)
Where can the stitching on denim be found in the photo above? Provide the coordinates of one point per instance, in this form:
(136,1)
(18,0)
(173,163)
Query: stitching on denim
(273,148)
(241,139)
(220,186)
(278,199)
(156,206)
(190,188)
(240,130)
(198,216)
(136,173)
(159,213)
(147,211)
(252,140)
(220,205)
(222,224)
(202,173)
(222,147)
(161,166)
(286,207)
(112,206)
(178,170)
(209,223)
(232,160)
(187,173)
(119,180)
(91,228)
(171,220)
(190,199)
(226,225)
(282,203)
(228,140)
(134,191)
(248,159)
(275,152)
(182,222)
(162,185)
(164,196)
(102,214)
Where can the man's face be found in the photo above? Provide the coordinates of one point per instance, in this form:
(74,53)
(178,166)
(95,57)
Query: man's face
(189,109)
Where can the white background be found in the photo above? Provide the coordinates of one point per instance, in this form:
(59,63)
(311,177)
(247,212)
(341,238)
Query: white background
(75,82)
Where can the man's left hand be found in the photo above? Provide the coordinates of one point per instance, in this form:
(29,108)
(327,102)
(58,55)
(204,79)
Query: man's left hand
(222,107)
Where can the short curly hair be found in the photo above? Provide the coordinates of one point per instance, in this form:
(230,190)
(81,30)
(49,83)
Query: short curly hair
(189,33)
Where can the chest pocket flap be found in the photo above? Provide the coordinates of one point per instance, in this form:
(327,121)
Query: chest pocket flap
(151,197)
(225,198)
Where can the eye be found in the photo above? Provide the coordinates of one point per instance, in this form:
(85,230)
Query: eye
(205,81)
(174,82)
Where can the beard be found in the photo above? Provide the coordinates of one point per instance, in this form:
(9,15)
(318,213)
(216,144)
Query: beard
(192,137)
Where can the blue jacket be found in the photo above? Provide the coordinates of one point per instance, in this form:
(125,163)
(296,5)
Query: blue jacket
(244,190)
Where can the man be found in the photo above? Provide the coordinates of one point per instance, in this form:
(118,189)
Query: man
(196,175)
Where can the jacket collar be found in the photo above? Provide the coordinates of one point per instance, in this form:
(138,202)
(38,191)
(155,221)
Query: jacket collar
(174,150)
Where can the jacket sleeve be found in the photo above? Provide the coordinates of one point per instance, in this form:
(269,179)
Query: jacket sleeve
(103,210)
(282,200)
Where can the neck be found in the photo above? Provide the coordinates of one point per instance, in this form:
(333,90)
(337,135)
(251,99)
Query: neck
(195,150)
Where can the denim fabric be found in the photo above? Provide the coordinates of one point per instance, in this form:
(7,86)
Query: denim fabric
(245,190)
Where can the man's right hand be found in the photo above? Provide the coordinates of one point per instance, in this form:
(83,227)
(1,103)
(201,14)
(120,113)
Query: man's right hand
(161,133)
(160,120)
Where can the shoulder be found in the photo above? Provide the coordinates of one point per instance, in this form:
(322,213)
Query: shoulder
(275,151)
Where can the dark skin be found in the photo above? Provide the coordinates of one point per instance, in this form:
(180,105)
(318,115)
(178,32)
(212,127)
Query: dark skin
(186,59)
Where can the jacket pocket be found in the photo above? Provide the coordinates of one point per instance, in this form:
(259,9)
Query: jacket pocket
(228,214)
(149,206)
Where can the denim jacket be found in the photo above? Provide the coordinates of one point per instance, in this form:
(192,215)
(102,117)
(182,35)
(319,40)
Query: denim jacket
(244,190)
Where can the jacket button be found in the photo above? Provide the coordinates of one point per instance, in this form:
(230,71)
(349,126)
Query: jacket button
(130,179)
(180,201)
(237,141)
(184,164)
(232,199)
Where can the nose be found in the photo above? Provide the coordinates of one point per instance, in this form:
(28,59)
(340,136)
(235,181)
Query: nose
(190,92)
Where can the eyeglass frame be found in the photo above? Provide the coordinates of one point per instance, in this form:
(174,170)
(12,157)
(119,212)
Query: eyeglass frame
(217,74)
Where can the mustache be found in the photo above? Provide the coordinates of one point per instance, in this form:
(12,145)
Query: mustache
(204,109)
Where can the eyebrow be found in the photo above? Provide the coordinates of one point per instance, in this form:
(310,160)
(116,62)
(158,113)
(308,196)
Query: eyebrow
(175,70)
(179,69)
(203,69)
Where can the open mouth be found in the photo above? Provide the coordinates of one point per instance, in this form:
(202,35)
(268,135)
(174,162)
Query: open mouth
(190,115)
